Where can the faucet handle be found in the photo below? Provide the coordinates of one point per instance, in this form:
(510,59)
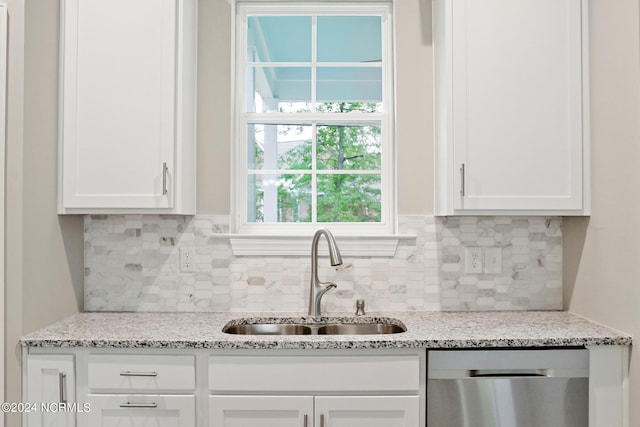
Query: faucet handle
(360,307)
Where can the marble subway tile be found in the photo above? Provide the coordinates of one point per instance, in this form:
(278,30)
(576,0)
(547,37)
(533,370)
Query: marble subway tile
(131,264)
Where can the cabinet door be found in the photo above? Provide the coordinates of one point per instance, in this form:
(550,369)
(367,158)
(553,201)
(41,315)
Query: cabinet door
(141,411)
(367,411)
(260,411)
(118,108)
(517,118)
(50,380)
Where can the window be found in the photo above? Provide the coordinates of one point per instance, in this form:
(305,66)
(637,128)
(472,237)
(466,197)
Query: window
(314,118)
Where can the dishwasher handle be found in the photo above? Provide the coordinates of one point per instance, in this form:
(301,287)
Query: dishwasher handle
(498,373)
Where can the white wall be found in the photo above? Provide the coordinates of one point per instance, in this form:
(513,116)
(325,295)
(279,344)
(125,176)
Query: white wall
(44,265)
(13,209)
(601,253)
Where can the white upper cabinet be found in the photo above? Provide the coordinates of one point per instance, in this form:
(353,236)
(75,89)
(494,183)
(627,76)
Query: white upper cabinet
(511,107)
(127,106)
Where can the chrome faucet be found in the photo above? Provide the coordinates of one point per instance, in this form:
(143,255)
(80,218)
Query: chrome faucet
(318,288)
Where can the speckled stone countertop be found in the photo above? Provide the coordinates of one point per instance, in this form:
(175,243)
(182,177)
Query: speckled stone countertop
(424,330)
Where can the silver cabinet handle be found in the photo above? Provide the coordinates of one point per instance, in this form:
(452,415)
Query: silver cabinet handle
(139,405)
(321,420)
(305,420)
(62,384)
(138,374)
(462,179)
(165,169)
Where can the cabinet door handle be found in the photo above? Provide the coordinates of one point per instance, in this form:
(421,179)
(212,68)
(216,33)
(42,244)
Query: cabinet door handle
(321,420)
(305,422)
(139,405)
(138,374)
(62,384)
(165,169)
(462,179)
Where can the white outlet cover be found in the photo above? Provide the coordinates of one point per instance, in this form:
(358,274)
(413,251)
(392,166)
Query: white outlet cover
(473,260)
(187,260)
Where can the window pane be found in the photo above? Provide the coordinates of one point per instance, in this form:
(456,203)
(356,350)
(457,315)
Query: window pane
(349,39)
(352,84)
(279,198)
(278,89)
(349,147)
(349,198)
(279,39)
(279,146)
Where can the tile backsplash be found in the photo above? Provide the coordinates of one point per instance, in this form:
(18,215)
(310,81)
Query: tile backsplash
(132,264)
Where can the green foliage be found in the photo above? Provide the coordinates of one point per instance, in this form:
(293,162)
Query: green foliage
(349,198)
(342,197)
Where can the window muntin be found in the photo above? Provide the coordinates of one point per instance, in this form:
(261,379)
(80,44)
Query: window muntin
(314,116)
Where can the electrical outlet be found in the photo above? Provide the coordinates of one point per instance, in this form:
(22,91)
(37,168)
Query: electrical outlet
(473,260)
(187,260)
(493,260)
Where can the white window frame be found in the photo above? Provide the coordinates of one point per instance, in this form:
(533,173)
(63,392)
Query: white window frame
(378,238)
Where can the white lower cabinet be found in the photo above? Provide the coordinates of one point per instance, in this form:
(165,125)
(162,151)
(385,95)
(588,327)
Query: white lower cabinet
(141,411)
(50,381)
(260,411)
(140,390)
(367,411)
(132,387)
(334,389)
(314,411)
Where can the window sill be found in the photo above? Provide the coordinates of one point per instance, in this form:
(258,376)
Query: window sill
(294,245)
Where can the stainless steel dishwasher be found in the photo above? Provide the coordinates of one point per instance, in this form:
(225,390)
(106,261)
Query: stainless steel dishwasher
(508,388)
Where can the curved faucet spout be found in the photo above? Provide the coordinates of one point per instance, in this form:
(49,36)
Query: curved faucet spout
(318,288)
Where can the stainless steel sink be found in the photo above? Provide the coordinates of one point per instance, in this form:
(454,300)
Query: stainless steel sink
(268,329)
(358,327)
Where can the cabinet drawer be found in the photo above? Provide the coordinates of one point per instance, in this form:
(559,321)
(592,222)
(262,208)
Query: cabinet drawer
(140,373)
(315,374)
(140,410)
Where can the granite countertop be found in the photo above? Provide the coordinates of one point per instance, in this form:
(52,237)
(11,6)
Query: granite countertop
(424,330)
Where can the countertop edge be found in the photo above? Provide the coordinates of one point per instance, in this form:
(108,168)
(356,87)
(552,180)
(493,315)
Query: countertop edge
(325,345)
(426,330)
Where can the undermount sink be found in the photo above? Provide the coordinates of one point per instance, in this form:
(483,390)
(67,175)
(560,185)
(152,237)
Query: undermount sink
(268,329)
(358,327)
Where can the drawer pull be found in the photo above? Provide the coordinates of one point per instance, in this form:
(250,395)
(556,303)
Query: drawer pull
(139,405)
(62,384)
(138,374)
